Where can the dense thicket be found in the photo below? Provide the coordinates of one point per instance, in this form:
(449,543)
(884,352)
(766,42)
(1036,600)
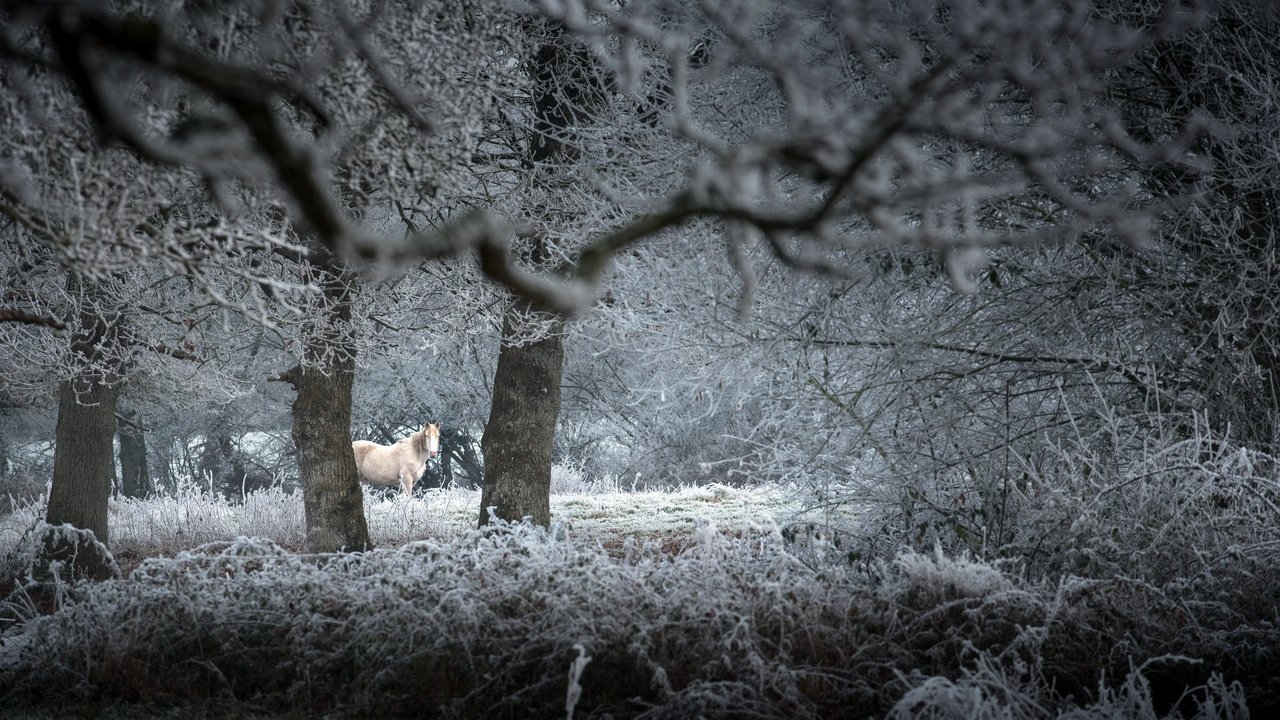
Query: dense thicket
(990,279)
(516,624)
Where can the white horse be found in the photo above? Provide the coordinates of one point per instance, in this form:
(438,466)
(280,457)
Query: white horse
(403,463)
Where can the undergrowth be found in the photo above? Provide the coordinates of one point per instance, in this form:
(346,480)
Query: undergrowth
(1175,537)
(514,623)
(1106,580)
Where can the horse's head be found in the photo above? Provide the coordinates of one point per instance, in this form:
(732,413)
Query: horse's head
(431,438)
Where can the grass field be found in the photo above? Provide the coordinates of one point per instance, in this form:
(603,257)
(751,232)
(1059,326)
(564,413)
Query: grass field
(166,525)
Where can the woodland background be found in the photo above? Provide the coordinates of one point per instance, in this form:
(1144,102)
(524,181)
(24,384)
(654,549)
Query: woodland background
(978,298)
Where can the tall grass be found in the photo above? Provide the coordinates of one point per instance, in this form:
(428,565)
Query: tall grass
(191,515)
(1106,582)
(513,623)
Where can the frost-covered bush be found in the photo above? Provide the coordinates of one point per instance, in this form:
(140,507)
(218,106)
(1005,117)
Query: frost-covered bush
(1123,502)
(987,692)
(514,623)
(1171,544)
(56,554)
(485,625)
(573,477)
(1196,511)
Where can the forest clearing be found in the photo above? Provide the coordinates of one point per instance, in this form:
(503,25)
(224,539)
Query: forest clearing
(192,516)
(640,359)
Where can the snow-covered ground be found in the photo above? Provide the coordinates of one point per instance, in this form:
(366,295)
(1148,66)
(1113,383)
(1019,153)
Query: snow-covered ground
(614,515)
(168,524)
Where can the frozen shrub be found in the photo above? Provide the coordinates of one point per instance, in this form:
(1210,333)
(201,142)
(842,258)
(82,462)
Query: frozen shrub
(989,693)
(501,623)
(193,515)
(939,577)
(60,553)
(20,489)
(1173,512)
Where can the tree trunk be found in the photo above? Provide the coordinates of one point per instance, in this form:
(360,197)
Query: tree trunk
(84,457)
(215,459)
(519,436)
(446,465)
(4,458)
(135,480)
(332,501)
(162,447)
(458,447)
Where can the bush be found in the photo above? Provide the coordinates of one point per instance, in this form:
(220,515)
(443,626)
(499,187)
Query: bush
(513,623)
(1157,545)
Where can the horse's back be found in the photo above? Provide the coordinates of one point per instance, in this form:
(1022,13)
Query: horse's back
(383,465)
(361,450)
(370,471)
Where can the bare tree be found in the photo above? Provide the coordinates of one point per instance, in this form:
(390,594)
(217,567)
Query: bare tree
(802,134)
(350,111)
(519,436)
(84,463)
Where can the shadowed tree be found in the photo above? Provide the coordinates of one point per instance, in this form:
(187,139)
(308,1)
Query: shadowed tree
(135,477)
(332,500)
(83,465)
(520,434)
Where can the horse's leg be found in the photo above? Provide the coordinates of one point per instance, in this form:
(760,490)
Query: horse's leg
(406,482)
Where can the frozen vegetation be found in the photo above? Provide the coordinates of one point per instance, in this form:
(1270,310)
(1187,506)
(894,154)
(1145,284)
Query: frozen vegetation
(1145,599)
(946,329)
(515,623)
(168,524)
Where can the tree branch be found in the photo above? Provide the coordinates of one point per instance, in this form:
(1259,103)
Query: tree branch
(15,315)
(1082,363)
(176,353)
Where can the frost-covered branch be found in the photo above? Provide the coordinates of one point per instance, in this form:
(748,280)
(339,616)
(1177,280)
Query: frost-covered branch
(276,94)
(886,125)
(16,315)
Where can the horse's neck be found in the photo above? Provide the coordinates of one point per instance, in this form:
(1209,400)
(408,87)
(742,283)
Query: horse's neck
(418,441)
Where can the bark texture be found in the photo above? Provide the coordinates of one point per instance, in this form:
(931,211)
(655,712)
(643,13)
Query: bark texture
(332,501)
(519,436)
(84,457)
